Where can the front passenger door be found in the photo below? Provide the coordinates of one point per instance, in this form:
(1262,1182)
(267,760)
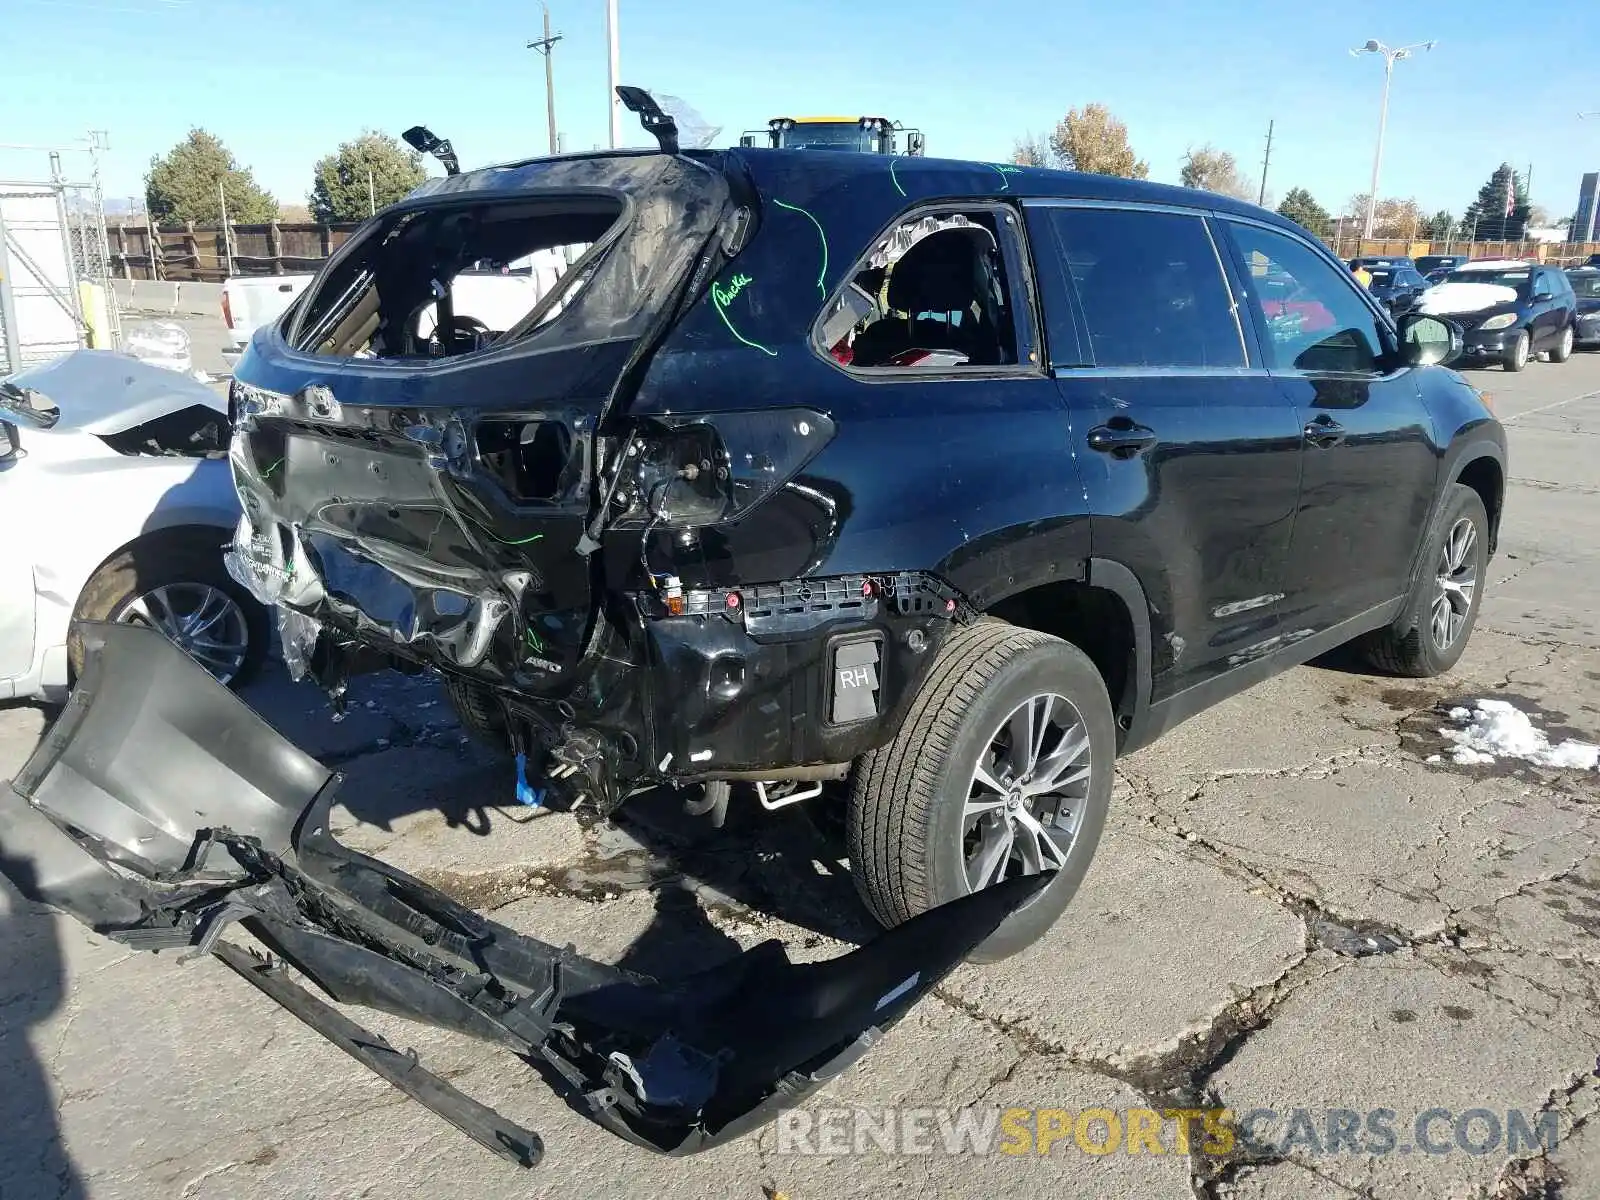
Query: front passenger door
(1189,454)
(1369,466)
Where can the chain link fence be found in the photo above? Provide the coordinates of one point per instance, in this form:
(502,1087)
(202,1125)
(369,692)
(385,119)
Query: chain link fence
(55,264)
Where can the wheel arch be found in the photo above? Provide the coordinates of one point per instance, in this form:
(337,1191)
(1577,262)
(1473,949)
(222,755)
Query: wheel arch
(1485,473)
(160,534)
(1103,611)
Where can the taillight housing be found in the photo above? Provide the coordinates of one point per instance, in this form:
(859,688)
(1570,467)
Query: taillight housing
(227,310)
(701,469)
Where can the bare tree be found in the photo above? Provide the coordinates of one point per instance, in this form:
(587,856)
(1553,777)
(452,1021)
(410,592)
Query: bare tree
(1091,139)
(1215,171)
(1032,151)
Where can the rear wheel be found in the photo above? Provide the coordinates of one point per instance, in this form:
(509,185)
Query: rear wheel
(479,712)
(176,584)
(1516,354)
(1562,350)
(1003,766)
(1444,606)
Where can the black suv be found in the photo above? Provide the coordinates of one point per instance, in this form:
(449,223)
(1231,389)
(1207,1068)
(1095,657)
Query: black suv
(915,490)
(1509,311)
(1428,264)
(1396,288)
(1585,282)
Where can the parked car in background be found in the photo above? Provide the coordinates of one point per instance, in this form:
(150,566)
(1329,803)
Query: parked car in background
(250,301)
(1396,288)
(1374,262)
(488,295)
(1585,283)
(1440,264)
(116,499)
(1509,311)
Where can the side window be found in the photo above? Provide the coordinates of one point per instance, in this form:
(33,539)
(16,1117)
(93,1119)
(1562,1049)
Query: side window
(931,295)
(1150,286)
(1312,314)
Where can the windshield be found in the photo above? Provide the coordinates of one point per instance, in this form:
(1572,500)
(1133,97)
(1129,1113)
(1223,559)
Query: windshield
(829,135)
(1587,286)
(1510,278)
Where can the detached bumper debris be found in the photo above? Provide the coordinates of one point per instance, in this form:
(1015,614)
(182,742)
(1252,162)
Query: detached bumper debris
(160,809)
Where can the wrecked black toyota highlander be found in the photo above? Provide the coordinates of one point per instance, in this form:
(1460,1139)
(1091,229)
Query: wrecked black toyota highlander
(921,489)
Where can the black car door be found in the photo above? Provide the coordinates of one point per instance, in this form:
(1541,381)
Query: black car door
(1189,454)
(1367,484)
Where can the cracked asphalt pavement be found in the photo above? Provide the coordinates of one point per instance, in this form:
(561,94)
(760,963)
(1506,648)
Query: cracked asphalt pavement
(1292,908)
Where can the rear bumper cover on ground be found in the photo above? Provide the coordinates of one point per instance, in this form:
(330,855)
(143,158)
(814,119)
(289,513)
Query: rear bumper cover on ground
(160,809)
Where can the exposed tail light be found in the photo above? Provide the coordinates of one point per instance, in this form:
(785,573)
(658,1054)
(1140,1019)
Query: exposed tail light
(227,310)
(711,467)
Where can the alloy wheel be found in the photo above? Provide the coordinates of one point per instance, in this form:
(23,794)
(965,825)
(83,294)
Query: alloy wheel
(1520,354)
(1457,581)
(1028,793)
(1566,341)
(204,621)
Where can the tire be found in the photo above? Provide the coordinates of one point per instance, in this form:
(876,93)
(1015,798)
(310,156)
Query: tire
(1562,350)
(908,826)
(479,712)
(1516,356)
(1419,654)
(162,581)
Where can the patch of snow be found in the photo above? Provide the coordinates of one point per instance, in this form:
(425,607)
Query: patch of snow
(1492,729)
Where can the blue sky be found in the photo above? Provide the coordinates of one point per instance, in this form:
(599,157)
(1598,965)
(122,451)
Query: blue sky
(283,81)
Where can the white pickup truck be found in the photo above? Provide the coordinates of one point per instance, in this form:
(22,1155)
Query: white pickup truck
(499,296)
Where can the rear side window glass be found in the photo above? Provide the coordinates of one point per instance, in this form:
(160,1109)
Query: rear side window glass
(1150,286)
(933,294)
(449,281)
(1312,313)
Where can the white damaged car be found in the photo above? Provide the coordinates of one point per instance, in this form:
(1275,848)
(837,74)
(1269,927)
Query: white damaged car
(117,499)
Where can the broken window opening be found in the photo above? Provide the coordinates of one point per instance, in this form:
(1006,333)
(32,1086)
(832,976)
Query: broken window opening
(450,281)
(931,295)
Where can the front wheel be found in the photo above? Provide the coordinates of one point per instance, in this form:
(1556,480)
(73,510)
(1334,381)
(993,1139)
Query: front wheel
(1444,606)
(1002,766)
(1516,354)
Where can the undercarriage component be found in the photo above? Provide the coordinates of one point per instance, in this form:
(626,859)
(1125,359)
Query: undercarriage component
(159,808)
(712,803)
(774,796)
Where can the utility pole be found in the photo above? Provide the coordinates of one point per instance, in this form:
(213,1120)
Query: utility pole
(544,46)
(1261,197)
(611,73)
(372,196)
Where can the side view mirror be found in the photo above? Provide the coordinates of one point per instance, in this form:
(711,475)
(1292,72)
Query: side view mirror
(1427,341)
(748,141)
(915,142)
(10,444)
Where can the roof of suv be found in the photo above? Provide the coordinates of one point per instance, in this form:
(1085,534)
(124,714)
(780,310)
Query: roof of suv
(955,177)
(1496,264)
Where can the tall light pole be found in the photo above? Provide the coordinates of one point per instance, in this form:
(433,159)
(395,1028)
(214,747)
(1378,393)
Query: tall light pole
(1390,57)
(611,73)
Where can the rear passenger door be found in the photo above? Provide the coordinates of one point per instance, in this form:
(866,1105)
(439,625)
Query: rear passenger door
(1189,453)
(1370,463)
